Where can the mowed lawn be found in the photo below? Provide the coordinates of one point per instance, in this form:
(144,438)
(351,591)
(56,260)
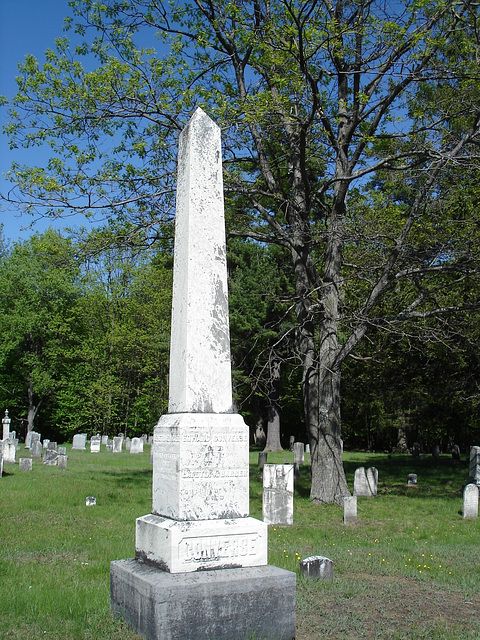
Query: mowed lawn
(408,568)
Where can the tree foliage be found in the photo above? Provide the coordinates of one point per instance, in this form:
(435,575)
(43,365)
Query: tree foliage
(345,126)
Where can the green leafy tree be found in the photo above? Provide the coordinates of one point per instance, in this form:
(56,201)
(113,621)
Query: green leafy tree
(39,290)
(312,97)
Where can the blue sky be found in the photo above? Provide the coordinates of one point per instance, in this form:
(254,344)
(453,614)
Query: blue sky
(26,26)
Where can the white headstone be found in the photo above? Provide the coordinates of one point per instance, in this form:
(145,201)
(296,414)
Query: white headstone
(104,440)
(136,446)
(36,449)
(277,506)
(317,567)
(470,501)
(365,482)
(79,441)
(50,457)
(62,461)
(9,451)
(474,466)
(6,425)
(117,444)
(299,453)
(95,444)
(349,509)
(200,505)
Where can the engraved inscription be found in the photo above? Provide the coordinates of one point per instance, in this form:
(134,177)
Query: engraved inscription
(204,549)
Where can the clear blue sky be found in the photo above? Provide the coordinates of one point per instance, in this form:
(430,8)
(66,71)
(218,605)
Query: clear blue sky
(26,26)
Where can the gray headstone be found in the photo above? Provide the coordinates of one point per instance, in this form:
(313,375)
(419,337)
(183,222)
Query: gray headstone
(79,441)
(470,501)
(292,443)
(90,501)
(436,452)
(455,452)
(25,464)
(277,505)
(62,451)
(46,442)
(62,461)
(117,444)
(28,440)
(474,465)
(262,459)
(128,444)
(36,449)
(412,478)
(104,440)
(349,509)
(136,446)
(317,567)
(50,457)
(416,450)
(307,448)
(365,482)
(52,445)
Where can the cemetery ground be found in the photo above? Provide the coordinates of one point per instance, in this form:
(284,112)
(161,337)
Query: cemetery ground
(408,568)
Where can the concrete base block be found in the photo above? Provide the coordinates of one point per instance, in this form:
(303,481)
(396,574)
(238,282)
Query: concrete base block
(227,604)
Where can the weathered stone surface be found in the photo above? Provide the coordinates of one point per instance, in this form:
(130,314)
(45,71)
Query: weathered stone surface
(200,467)
(317,567)
(365,482)
(412,478)
(36,449)
(62,461)
(470,501)
(136,446)
(50,457)
(180,546)
(117,444)
(6,425)
(349,509)
(79,441)
(90,501)
(474,465)
(62,451)
(9,451)
(277,506)
(299,453)
(25,464)
(95,444)
(200,366)
(231,604)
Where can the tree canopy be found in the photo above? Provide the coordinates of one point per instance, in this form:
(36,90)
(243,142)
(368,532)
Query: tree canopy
(347,130)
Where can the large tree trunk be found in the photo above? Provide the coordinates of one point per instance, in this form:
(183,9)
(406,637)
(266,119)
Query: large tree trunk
(273,427)
(32,408)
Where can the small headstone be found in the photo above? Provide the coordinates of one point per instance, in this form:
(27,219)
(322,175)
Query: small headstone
(262,459)
(62,461)
(46,442)
(317,567)
(128,443)
(436,452)
(36,449)
(136,445)
(474,465)
(456,452)
(299,453)
(365,482)
(1,463)
(95,444)
(109,444)
(104,440)
(25,464)
(9,451)
(277,505)
(117,444)
(416,450)
(412,478)
(292,442)
(6,425)
(90,501)
(470,501)
(50,457)
(62,451)
(79,441)
(144,439)
(307,448)
(52,445)
(349,509)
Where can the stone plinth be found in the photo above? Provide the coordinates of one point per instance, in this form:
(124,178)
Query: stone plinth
(231,604)
(179,546)
(200,467)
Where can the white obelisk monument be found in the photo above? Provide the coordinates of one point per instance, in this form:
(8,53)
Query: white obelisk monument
(199,544)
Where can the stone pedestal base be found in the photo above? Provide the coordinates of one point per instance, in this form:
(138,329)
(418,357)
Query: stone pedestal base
(227,604)
(179,547)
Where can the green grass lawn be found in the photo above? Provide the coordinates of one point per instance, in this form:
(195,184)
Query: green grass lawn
(408,568)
